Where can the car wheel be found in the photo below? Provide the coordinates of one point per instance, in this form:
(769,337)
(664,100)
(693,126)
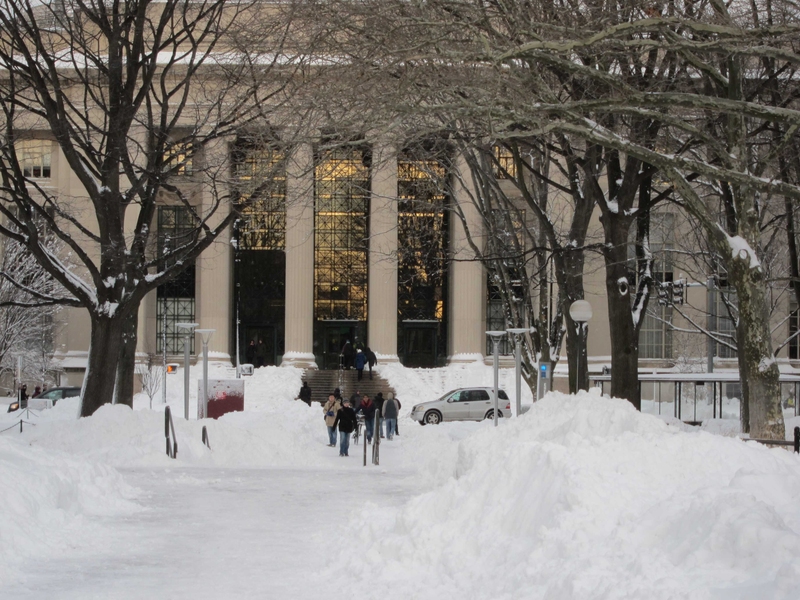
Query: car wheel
(490,414)
(432,417)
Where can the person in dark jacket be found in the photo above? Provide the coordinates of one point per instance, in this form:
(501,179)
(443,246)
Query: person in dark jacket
(391,410)
(250,353)
(368,409)
(355,401)
(261,353)
(346,420)
(379,406)
(348,355)
(361,360)
(372,360)
(305,393)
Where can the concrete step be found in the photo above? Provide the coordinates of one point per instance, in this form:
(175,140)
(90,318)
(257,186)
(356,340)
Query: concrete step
(323,383)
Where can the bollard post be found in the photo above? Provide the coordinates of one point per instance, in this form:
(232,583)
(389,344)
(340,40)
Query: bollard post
(365,447)
(20,430)
(797,439)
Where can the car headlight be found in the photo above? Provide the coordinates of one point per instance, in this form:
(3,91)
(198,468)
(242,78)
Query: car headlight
(416,408)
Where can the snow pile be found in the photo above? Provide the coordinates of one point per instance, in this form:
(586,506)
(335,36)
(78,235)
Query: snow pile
(274,430)
(423,385)
(49,501)
(584,497)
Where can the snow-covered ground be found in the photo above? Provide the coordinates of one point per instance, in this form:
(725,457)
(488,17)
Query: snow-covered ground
(581,498)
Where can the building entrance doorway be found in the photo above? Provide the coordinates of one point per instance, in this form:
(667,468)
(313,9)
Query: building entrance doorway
(332,336)
(420,344)
(268,335)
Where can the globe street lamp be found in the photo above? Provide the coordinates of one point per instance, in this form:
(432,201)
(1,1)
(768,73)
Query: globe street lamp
(517,333)
(188,330)
(205,335)
(580,311)
(496,335)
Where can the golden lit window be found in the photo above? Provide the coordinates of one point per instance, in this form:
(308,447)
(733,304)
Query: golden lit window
(504,166)
(179,158)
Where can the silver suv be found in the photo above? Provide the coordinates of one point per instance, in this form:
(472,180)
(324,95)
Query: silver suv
(464,404)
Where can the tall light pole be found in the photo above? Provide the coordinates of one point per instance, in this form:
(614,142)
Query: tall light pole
(517,333)
(205,335)
(188,331)
(164,354)
(580,311)
(496,335)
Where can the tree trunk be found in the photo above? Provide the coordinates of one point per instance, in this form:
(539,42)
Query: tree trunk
(101,373)
(126,367)
(623,331)
(761,415)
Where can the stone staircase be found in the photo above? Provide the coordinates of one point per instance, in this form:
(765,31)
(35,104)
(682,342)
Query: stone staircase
(323,383)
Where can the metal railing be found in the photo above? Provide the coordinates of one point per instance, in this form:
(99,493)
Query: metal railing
(795,442)
(376,437)
(204,437)
(172,448)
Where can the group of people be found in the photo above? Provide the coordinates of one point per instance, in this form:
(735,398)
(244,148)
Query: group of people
(358,357)
(256,353)
(341,417)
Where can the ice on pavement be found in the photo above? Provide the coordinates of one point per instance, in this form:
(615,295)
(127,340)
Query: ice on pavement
(582,497)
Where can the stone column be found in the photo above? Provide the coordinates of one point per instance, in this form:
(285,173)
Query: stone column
(382,308)
(300,259)
(467,282)
(215,266)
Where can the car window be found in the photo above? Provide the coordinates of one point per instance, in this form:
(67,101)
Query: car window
(460,397)
(51,395)
(72,392)
(478,395)
(502,395)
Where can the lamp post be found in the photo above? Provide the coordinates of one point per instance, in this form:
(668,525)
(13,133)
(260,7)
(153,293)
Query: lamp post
(496,335)
(517,333)
(188,331)
(205,335)
(580,311)
(164,355)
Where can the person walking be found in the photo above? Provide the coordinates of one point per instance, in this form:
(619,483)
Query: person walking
(361,360)
(379,406)
(250,353)
(348,355)
(355,401)
(346,420)
(261,353)
(368,409)
(391,409)
(372,360)
(329,411)
(305,393)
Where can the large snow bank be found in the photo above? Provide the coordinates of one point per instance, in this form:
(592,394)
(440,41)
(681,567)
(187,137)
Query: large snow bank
(49,502)
(274,430)
(584,497)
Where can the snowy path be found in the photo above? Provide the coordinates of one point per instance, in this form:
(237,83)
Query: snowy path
(222,533)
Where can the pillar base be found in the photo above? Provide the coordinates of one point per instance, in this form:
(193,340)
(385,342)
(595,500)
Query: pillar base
(460,359)
(301,360)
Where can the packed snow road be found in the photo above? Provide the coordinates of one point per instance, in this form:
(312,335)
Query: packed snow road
(221,533)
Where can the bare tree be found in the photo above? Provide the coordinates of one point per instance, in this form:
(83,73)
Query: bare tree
(132,94)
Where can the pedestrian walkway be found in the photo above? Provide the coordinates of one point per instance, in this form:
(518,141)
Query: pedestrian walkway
(218,534)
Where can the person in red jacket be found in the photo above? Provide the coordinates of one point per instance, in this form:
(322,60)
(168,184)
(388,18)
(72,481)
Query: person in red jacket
(368,409)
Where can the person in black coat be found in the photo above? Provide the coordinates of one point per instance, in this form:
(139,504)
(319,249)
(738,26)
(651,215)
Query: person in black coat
(372,360)
(305,393)
(348,355)
(379,406)
(250,353)
(346,420)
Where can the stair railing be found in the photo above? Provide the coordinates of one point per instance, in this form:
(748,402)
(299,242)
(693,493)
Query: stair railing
(172,448)
(204,437)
